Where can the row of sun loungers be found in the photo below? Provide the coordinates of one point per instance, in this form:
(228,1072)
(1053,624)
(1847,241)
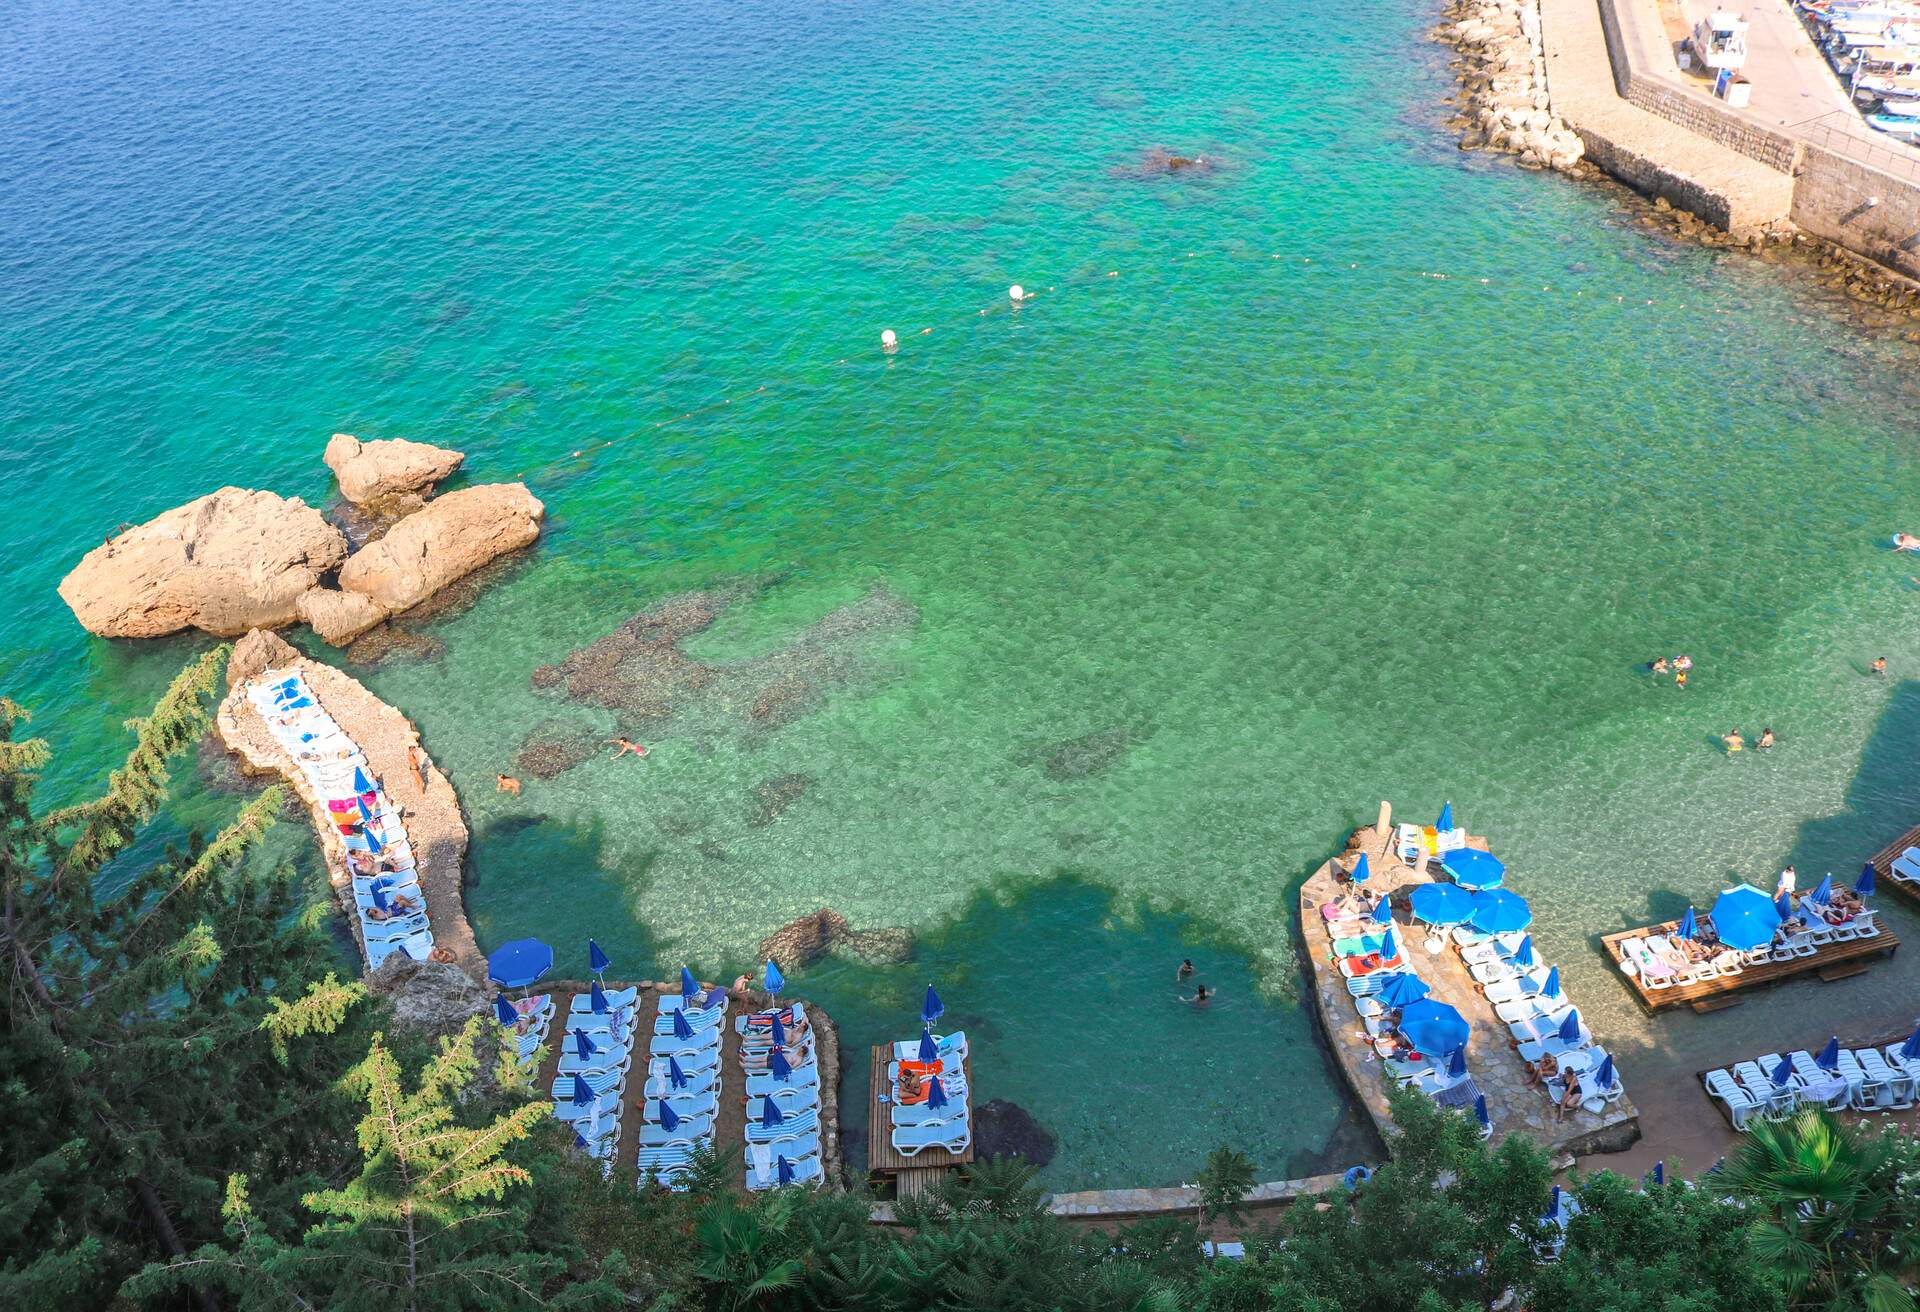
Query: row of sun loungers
(682,1094)
(1660,962)
(532,1018)
(1528,997)
(935,1116)
(780,1065)
(391,907)
(1773,1087)
(590,1083)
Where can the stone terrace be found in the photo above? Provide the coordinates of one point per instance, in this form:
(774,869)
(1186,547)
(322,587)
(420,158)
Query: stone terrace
(1495,1068)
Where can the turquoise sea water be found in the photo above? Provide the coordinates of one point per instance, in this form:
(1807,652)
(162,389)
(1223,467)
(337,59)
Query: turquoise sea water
(1270,523)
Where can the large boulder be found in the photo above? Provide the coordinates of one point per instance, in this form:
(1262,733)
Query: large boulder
(339,617)
(231,561)
(373,472)
(453,536)
(257,653)
(427,995)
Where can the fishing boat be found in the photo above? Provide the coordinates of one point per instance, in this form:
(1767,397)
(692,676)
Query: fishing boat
(1907,129)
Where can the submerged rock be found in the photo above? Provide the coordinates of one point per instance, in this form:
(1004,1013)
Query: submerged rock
(1160,162)
(374,472)
(1089,754)
(390,642)
(225,563)
(1006,1129)
(553,748)
(772,796)
(802,941)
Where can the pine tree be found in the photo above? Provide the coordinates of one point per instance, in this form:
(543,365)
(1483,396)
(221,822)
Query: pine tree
(133,1076)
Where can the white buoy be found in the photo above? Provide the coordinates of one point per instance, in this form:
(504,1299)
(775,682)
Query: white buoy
(887,340)
(1016,293)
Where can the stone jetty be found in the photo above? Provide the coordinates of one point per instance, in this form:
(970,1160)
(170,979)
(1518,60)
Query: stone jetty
(1503,75)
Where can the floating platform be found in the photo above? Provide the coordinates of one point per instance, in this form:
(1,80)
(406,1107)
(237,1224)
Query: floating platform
(910,1176)
(1883,867)
(1830,961)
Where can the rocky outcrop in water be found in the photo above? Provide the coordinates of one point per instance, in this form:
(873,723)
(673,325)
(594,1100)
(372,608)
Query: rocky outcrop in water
(455,535)
(772,796)
(1159,162)
(227,562)
(1503,75)
(1089,754)
(805,940)
(392,474)
(338,617)
(1006,1129)
(553,748)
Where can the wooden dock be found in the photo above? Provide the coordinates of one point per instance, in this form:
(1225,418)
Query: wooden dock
(1883,866)
(1830,961)
(911,1176)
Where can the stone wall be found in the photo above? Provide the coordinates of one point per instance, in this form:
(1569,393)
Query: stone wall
(1831,196)
(1714,121)
(1179,1200)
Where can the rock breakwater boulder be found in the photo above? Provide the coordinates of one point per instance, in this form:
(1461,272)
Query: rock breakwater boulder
(1503,76)
(449,539)
(805,940)
(233,560)
(389,470)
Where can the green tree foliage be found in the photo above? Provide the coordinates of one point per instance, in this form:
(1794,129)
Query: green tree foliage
(1225,1181)
(133,1077)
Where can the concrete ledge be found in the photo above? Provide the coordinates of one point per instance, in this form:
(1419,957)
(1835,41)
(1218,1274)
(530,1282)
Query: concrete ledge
(1138,1204)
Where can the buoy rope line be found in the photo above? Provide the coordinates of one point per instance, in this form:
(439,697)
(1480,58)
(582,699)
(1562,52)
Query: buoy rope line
(891,343)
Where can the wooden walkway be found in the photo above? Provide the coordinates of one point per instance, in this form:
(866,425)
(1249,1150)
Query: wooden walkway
(1830,961)
(911,1175)
(1883,866)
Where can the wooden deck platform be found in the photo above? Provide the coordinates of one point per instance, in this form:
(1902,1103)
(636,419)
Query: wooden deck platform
(1830,961)
(911,1175)
(1883,866)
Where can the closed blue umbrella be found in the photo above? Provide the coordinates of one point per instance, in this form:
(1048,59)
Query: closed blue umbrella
(777,1032)
(931,1008)
(1445,823)
(1457,1063)
(1497,911)
(784,1170)
(1782,1074)
(928,1050)
(519,963)
(1389,946)
(681,1030)
(1829,1058)
(504,1010)
(779,1067)
(1603,1078)
(1433,1026)
(1480,1112)
(366,812)
(374,843)
(936,1093)
(599,997)
(1745,917)
(775,980)
(1523,955)
(688,985)
(1551,988)
(1784,905)
(361,784)
(1361,871)
(770,1112)
(1570,1027)
(1383,912)
(582,1092)
(676,1077)
(1553,1205)
(1823,894)
(1910,1050)
(1863,886)
(597,961)
(1660,1171)
(1472,868)
(1441,905)
(582,1045)
(579,1141)
(669,1118)
(1689,925)
(1401,989)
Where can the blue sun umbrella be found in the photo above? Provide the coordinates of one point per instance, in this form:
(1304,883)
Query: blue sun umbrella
(928,1050)
(597,961)
(779,1067)
(785,1171)
(1863,886)
(936,1093)
(1497,911)
(504,1010)
(669,1118)
(770,1112)
(1689,925)
(931,1008)
(1823,894)
(777,1032)
(519,963)
(1523,955)
(1782,1074)
(688,985)
(366,812)
(775,980)
(361,784)
(1745,917)
(1910,1050)
(599,999)
(676,1077)
(1480,1112)
(374,844)
(1829,1058)
(1551,989)
(1472,868)
(1603,1078)
(1433,1026)
(580,1141)
(1445,823)
(1784,905)
(1570,1027)
(1361,872)
(1389,946)
(1441,905)
(583,1046)
(582,1092)
(1383,912)
(1660,1171)
(1553,1205)
(1457,1063)
(681,1030)
(1401,989)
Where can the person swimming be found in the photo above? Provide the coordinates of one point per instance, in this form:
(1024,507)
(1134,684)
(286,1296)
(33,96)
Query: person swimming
(1659,666)
(1186,969)
(1766,738)
(1733,740)
(1201,995)
(1879,664)
(622,747)
(1905,542)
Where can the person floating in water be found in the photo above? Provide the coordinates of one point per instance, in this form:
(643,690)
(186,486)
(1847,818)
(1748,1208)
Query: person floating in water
(1905,542)
(1186,969)
(1658,667)
(1680,679)
(1766,738)
(1879,664)
(506,783)
(1733,740)
(1201,995)
(622,747)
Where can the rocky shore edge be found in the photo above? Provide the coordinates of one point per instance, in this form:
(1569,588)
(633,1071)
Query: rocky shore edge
(1503,99)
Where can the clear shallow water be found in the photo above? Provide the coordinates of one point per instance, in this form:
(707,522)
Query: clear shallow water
(1287,535)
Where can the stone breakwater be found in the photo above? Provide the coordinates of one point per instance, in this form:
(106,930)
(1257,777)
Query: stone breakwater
(1503,77)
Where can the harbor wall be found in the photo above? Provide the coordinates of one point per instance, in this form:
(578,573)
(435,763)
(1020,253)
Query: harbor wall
(1852,205)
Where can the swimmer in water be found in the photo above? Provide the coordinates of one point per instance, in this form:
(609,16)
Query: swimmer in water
(622,747)
(1186,969)
(1766,738)
(1879,664)
(1733,740)
(1201,995)
(1659,667)
(506,783)
(1905,542)
(1680,680)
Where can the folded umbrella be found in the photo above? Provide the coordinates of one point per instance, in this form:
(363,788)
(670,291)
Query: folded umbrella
(1603,1078)
(582,1092)
(597,961)
(1383,912)
(1910,1050)
(1829,1058)
(669,1118)
(379,892)
(1551,989)
(1570,1027)
(1445,823)
(1784,905)
(784,1170)
(681,1030)
(779,1067)
(599,997)
(1361,872)
(770,1112)
(582,1045)
(1389,946)
(775,980)
(1480,1112)
(1823,894)
(505,1010)
(1782,1074)
(776,1031)
(675,1076)
(1689,925)
(1660,1171)
(1863,886)
(931,1008)
(1523,955)
(1457,1063)
(936,1093)
(928,1050)
(688,985)
(361,784)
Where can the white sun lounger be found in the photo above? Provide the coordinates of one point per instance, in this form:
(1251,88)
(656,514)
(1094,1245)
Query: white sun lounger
(583,1002)
(1540,1004)
(790,1101)
(416,946)
(1776,1102)
(1740,1105)
(1899,1085)
(1523,986)
(910,1141)
(802,1077)
(920,1114)
(1555,1046)
(695,1129)
(687,1106)
(947,1045)
(795,1124)
(601,1082)
(806,1171)
(607,1059)
(609,1105)
(1540,1027)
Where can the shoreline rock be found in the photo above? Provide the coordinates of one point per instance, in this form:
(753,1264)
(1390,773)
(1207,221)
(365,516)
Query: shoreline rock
(1503,75)
(452,537)
(392,471)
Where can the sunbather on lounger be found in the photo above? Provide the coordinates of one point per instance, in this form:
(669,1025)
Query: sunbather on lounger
(1566,1098)
(1539,1072)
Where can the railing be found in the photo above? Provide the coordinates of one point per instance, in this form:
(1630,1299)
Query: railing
(1848,136)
